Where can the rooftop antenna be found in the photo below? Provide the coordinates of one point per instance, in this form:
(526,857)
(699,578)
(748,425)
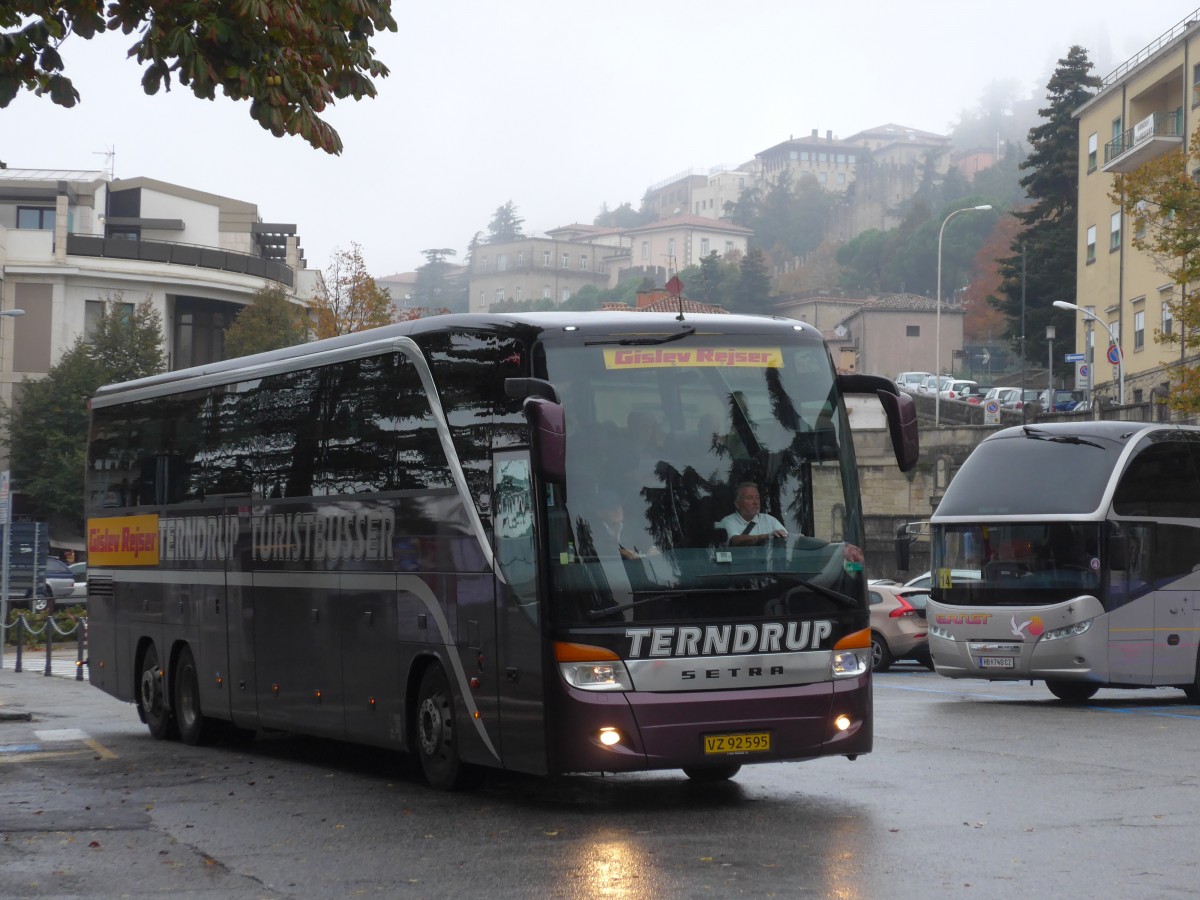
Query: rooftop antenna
(110,160)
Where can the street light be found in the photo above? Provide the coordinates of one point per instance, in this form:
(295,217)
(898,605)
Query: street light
(937,368)
(1114,342)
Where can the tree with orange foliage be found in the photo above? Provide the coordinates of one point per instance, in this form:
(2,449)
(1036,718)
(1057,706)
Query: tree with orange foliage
(984,318)
(350,300)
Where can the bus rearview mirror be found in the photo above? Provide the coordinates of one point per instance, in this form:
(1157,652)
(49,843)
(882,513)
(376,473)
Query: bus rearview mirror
(549,437)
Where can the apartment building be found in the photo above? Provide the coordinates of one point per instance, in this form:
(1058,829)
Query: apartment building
(550,266)
(72,239)
(660,249)
(1146,107)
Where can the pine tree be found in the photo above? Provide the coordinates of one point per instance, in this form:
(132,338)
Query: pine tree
(1047,235)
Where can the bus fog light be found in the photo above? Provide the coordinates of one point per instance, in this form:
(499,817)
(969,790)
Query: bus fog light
(609,736)
(842,722)
(845,663)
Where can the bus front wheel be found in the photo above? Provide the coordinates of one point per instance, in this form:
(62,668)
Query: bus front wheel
(152,697)
(194,726)
(437,736)
(1072,691)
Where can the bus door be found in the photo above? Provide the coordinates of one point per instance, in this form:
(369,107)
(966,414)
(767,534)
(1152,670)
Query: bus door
(239,617)
(519,633)
(1131,617)
(1172,553)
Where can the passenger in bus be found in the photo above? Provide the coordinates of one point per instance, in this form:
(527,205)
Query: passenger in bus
(610,536)
(747,525)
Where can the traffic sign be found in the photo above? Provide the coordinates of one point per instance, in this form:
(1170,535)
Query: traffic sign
(1073,357)
(1114,354)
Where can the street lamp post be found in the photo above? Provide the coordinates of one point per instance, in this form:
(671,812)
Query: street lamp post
(937,367)
(1113,341)
(1050,368)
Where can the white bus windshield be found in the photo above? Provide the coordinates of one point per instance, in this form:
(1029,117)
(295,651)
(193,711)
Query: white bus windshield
(662,440)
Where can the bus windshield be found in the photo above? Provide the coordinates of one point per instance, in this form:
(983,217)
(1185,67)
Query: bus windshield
(666,443)
(1016,563)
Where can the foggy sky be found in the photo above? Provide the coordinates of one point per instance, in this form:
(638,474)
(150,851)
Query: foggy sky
(562,107)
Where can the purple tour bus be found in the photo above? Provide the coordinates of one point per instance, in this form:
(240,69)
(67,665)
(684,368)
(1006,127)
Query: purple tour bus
(542,542)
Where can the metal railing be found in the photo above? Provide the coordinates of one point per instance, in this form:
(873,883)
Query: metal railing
(23,632)
(1150,49)
(180,254)
(1165,124)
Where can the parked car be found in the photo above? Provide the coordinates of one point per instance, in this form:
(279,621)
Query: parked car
(933,383)
(1064,400)
(911,381)
(976,393)
(956,388)
(56,585)
(79,573)
(925,579)
(898,629)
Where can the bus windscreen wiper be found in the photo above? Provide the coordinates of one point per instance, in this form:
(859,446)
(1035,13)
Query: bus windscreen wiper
(828,593)
(1059,438)
(645,341)
(637,601)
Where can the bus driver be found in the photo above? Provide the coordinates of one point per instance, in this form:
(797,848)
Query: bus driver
(747,526)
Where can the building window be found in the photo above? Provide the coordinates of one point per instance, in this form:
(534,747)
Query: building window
(1093,143)
(912,330)
(565,295)
(704,246)
(1117,129)
(483,299)
(517,293)
(501,262)
(792,154)
(1091,244)
(645,249)
(841,177)
(521,259)
(35,218)
(1139,329)
(546,258)
(803,157)
(823,177)
(671,248)
(499,295)
(822,157)
(1114,231)
(1167,319)
(1196,84)
(483,264)
(583,262)
(566,261)
(728,247)
(545,292)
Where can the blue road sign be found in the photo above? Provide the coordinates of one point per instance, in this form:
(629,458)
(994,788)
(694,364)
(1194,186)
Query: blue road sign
(1073,357)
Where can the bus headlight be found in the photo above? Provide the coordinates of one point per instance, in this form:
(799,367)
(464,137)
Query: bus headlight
(591,668)
(1069,631)
(851,655)
(846,663)
(597,676)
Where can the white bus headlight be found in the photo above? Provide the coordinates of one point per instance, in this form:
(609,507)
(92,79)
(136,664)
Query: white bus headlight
(597,676)
(847,663)
(1068,631)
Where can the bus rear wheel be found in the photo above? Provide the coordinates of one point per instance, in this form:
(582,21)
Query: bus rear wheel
(194,727)
(437,735)
(152,697)
(1072,691)
(711,774)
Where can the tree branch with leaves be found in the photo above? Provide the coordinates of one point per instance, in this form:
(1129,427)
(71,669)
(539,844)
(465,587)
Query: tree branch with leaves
(291,60)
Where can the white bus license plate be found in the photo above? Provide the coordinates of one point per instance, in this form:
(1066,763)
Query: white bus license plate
(996,662)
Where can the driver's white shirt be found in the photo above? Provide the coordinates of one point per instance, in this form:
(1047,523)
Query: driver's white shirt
(764,523)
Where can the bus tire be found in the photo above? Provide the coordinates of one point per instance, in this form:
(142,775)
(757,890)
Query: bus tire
(1072,691)
(881,656)
(152,697)
(711,774)
(437,737)
(195,728)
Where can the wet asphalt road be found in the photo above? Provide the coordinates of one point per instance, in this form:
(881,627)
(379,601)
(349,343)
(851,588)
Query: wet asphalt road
(973,790)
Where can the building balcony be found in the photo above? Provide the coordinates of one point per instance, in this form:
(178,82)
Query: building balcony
(179,254)
(1152,137)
